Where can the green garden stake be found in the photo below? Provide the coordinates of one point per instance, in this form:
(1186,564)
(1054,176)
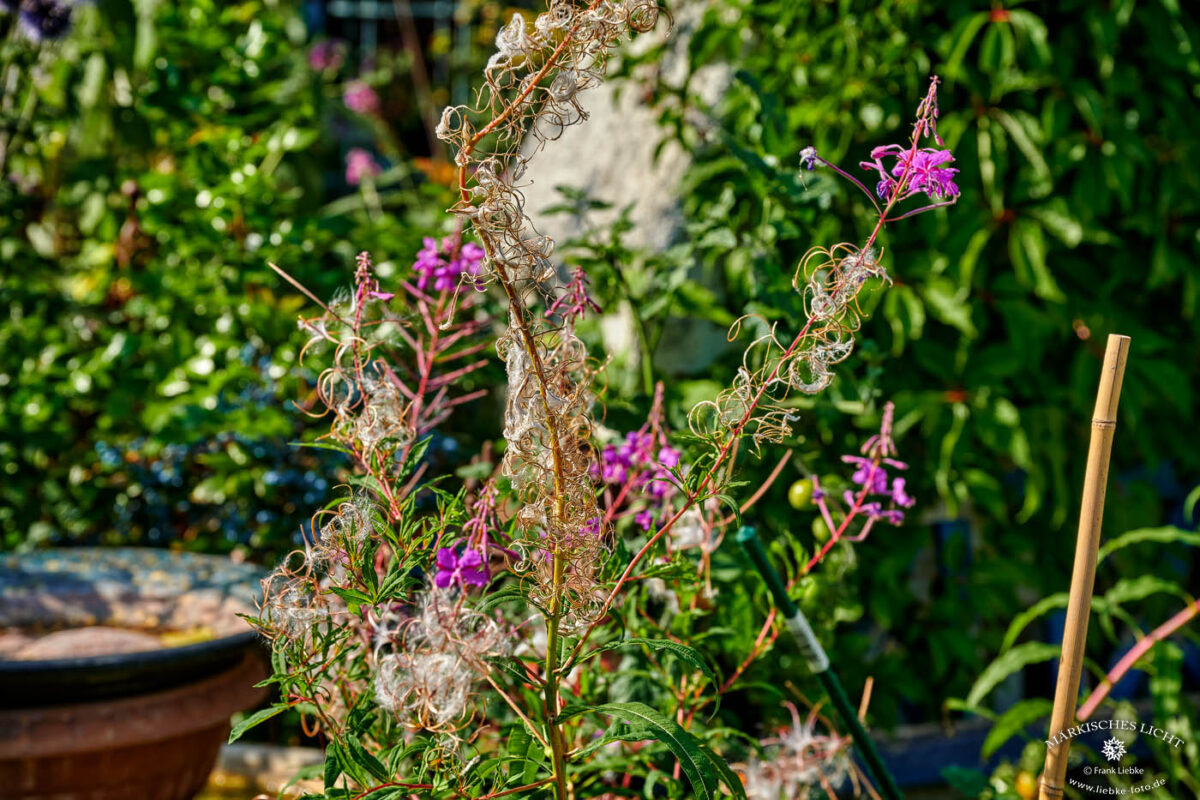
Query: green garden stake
(818,662)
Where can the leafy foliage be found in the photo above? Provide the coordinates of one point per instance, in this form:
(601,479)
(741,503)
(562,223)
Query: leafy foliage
(1075,220)
(168,152)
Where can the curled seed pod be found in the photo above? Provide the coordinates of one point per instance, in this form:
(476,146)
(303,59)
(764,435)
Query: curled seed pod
(564,87)
(642,15)
(454,126)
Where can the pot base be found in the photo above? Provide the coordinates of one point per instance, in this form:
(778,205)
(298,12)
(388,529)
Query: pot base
(158,746)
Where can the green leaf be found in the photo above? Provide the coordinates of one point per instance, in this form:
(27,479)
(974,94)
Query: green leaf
(1056,219)
(254,719)
(1163,535)
(704,768)
(681,651)
(964,35)
(1027,247)
(1128,590)
(1027,616)
(1024,131)
(946,303)
(494,599)
(333,765)
(1016,659)
(361,758)
(1013,722)
(353,597)
(527,756)
(510,666)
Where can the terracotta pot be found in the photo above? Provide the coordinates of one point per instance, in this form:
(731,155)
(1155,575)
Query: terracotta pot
(157,746)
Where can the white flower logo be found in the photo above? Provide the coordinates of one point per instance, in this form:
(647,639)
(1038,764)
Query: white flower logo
(1113,749)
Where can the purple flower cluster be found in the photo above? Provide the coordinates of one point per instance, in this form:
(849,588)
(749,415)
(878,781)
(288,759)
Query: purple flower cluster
(444,264)
(871,478)
(644,465)
(872,481)
(912,170)
(458,570)
(916,170)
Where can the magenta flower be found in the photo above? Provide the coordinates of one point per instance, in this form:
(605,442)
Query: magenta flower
(645,519)
(444,264)
(868,475)
(871,476)
(359,164)
(613,468)
(919,171)
(360,98)
(453,569)
(637,449)
(668,457)
(899,496)
(914,169)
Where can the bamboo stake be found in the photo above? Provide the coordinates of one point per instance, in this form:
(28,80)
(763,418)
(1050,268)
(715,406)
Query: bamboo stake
(1083,577)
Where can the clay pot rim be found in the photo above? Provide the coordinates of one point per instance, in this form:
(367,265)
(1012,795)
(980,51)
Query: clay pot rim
(138,658)
(133,719)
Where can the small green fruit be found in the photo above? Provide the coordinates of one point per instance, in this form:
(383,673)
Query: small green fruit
(800,494)
(820,530)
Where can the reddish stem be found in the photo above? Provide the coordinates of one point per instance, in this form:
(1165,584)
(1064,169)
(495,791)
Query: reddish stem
(1135,653)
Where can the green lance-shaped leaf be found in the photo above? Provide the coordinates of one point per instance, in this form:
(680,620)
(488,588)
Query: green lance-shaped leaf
(1018,658)
(1164,535)
(1128,590)
(681,651)
(1022,620)
(704,768)
(254,719)
(1013,721)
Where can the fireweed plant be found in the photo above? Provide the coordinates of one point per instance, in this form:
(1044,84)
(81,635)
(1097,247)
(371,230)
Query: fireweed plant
(451,644)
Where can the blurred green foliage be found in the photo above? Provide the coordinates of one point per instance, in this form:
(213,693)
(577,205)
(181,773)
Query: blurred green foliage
(164,154)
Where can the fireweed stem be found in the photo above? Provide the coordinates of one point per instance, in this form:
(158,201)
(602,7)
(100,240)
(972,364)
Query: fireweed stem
(520,318)
(553,731)
(554,613)
(534,83)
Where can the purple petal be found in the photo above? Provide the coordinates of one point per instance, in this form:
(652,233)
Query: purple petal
(938,157)
(446,559)
(470,559)
(443,579)
(475,577)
